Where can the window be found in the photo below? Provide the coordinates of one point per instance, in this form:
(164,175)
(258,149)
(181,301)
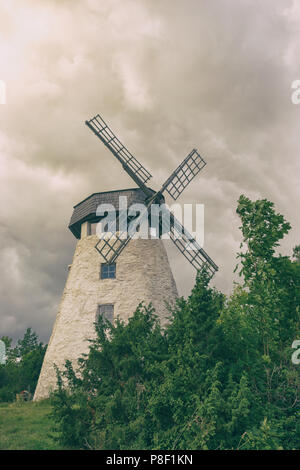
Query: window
(108,271)
(106,311)
(93,228)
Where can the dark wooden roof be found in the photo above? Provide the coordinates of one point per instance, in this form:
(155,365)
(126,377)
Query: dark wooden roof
(86,209)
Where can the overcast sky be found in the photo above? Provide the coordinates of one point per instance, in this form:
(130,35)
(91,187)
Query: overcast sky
(168,76)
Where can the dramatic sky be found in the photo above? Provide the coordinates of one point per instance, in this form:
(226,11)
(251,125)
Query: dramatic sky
(168,76)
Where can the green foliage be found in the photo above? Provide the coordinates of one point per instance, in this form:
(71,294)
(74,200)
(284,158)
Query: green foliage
(27,344)
(219,376)
(262,229)
(296,253)
(22,369)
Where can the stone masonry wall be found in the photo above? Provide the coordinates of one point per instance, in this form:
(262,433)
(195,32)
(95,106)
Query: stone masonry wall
(142,274)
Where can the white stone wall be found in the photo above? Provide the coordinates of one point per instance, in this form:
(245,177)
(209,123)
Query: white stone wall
(142,274)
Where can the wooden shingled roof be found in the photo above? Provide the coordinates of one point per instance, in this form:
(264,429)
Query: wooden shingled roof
(86,209)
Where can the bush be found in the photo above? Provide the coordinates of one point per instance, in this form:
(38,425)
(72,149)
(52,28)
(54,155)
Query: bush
(219,376)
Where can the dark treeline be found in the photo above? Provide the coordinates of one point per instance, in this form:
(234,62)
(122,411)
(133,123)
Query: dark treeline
(22,366)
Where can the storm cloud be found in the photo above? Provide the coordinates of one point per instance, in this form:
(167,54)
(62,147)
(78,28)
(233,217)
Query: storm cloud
(167,76)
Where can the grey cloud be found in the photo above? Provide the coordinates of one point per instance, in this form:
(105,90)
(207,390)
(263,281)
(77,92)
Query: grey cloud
(167,76)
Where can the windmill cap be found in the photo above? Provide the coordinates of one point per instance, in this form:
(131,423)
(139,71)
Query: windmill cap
(86,209)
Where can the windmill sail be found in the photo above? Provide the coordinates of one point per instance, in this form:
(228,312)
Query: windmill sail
(137,171)
(183,175)
(111,244)
(189,246)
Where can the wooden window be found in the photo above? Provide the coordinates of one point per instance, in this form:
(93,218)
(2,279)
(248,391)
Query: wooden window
(108,271)
(93,228)
(106,311)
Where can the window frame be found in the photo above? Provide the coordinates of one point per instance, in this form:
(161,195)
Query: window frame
(93,228)
(104,314)
(111,269)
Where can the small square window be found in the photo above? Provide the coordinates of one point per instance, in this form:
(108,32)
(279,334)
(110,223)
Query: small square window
(93,228)
(108,271)
(106,311)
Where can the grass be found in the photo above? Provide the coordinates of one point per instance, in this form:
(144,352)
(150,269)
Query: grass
(27,426)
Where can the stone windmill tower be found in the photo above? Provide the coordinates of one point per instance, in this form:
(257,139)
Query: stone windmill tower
(114,283)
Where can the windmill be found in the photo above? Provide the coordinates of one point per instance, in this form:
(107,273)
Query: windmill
(174,186)
(125,271)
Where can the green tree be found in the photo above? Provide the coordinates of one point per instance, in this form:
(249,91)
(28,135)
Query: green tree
(27,344)
(296,253)
(219,376)
(23,365)
(262,316)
